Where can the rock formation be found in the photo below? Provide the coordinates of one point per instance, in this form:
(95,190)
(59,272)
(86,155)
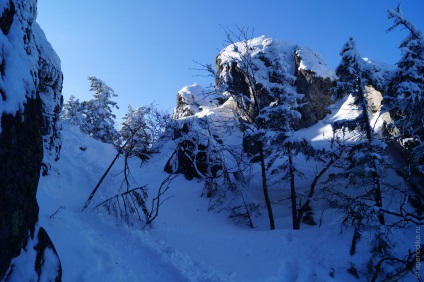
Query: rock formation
(317,93)
(30,88)
(271,58)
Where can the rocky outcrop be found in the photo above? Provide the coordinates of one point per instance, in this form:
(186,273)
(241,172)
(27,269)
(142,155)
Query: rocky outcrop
(50,90)
(196,154)
(193,99)
(312,77)
(30,87)
(316,91)
(271,63)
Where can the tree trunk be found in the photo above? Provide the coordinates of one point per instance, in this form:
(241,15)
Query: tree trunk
(312,189)
(296,220)
(265,186)
(356,237)
(377,184)
(100,181)
(378,197)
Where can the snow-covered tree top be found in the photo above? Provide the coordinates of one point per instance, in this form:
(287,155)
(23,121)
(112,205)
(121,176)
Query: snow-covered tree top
(400,20)
(277,51)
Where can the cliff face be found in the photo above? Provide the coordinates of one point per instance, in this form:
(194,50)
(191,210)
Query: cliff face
(317,93)
(30,88)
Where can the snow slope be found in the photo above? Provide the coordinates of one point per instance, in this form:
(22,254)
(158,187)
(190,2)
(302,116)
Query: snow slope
(186,242)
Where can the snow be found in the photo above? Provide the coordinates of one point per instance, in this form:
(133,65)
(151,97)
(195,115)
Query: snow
(312,61)
(20,52)
(23,265)
(187,242)
(50,260)
(17,83)
(3,6)
(277,51)
(24,268)
(194,99)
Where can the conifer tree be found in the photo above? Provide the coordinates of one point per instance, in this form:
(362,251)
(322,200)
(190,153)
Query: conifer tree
(95,117)
(99,118)
(141,129)
(72,111)
(365,154)
(405,98)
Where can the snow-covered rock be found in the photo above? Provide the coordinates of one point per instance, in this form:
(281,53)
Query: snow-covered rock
(193,99)
(198,109)
(30,102)
(313,78)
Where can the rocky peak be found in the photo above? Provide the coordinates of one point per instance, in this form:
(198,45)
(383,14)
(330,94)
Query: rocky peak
(199,110)
(312,77)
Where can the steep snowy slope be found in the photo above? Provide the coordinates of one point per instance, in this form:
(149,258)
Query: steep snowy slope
(196,236)
(186,242)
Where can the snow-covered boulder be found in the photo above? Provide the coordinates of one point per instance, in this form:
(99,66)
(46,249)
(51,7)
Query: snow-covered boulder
(30,101)
(193,99)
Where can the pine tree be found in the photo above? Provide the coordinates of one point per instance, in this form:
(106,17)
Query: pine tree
(99,120)
(142,127)
(405,98)
(351,67)
(365,154)
(94,117)
(72,111)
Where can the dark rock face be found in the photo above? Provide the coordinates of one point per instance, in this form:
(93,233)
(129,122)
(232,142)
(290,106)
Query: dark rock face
(238,82)
(28,117)
(21,154)
(186,161)
(189,157)
(49,89)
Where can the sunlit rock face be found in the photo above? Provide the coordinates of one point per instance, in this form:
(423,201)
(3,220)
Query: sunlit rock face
(30,102)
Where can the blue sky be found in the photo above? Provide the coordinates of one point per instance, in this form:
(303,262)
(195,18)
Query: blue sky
(144,49)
